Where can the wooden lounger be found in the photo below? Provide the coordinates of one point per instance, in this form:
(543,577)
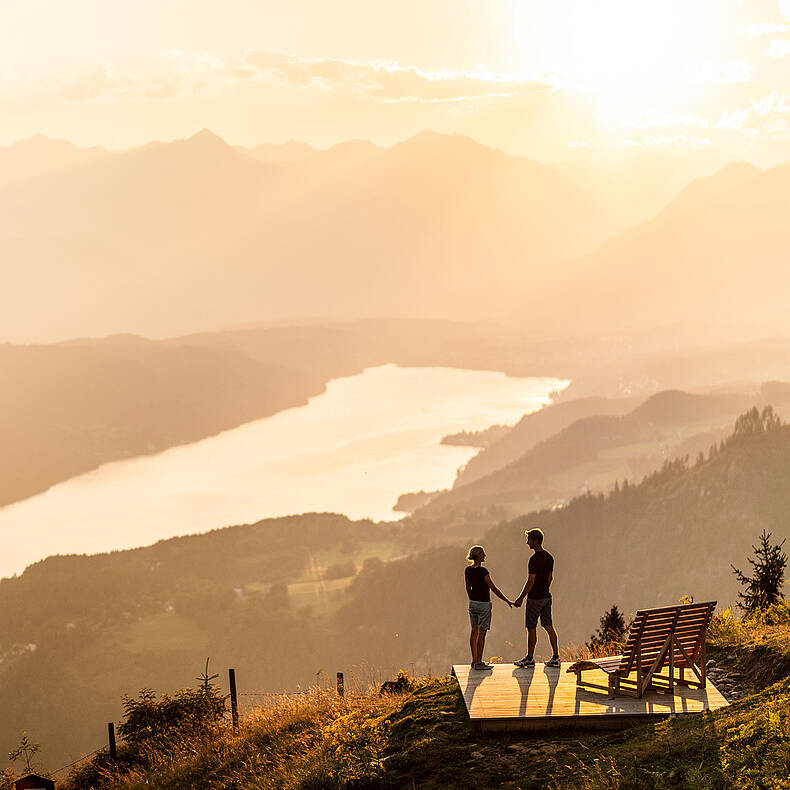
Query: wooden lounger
(672,636)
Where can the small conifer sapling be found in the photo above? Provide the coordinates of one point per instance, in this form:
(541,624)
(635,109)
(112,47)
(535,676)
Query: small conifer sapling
(764,587)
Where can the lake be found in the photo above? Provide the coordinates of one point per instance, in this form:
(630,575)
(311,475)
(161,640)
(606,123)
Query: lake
(353,449)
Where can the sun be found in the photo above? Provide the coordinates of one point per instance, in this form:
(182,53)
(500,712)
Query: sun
(622,52)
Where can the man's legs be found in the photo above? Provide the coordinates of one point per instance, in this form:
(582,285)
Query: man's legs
(549,629)
(532,640)
(473,643)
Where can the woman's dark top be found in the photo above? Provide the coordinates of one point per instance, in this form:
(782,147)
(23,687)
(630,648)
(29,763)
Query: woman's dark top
(476,587)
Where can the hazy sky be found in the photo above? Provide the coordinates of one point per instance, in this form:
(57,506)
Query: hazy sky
(536,77)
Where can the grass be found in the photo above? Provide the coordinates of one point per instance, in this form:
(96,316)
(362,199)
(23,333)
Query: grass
(421,739)
(325,596)
(290,743)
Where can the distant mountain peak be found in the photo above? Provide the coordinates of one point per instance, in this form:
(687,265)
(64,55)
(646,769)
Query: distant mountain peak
(448,143)
(206,137)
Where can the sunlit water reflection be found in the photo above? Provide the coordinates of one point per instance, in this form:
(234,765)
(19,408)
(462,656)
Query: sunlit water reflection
(351,450)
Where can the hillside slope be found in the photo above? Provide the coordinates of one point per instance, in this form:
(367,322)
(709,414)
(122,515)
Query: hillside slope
(287,598)
(596,448)
(710,262)
(534,428)
(671,535)
(421,738)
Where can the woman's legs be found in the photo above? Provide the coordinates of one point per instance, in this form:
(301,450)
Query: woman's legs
(473,644)
(481,643)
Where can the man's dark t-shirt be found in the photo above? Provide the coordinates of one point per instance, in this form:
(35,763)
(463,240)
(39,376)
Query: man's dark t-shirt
(541,563)
(476,587)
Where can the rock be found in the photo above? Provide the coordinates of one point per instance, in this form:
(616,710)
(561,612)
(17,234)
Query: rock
(477,755)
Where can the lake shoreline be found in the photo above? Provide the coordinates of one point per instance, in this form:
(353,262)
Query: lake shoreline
(379,433)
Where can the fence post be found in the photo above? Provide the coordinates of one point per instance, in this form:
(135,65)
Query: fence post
(234,702)
(341,689)
(111,734)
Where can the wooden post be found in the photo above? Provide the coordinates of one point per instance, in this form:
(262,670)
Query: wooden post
(703,669)
(341,689)
(111,734)
(234,702)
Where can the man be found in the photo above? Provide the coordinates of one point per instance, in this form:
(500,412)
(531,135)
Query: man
(536,591)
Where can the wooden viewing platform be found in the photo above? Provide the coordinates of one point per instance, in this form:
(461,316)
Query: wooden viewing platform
(542,698)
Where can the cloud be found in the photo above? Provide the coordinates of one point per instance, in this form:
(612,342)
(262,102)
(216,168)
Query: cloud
(779,48)
(757,117)
(664,120)
(93,84)
(175,73)
(391,82)
(762,28)
(730,71)
(675,141)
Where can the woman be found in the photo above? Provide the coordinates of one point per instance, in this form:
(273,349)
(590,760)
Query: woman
(478,587)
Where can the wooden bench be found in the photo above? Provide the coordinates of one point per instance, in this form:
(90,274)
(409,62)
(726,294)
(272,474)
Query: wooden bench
(672,637)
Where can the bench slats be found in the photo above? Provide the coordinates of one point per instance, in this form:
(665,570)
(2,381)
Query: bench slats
(655,636)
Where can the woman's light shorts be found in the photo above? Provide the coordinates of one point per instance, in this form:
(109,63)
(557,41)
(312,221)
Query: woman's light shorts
(480,614)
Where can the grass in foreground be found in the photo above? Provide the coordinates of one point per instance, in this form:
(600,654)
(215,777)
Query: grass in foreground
(421,739)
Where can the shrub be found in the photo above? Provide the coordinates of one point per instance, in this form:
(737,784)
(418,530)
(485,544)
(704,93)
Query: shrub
(776,614)
(187,712)
(723,624)
(356,745)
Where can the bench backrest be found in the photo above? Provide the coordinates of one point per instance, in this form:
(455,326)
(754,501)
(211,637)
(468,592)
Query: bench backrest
(651,627)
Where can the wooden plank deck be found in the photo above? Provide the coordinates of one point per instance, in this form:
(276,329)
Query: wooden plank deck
(510,698)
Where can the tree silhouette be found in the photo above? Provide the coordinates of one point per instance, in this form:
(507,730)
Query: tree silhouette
(25,751)
(763,588)
(612,628)
(755,422)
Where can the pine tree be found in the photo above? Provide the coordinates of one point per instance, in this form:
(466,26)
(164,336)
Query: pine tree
(611,629)
(768,566)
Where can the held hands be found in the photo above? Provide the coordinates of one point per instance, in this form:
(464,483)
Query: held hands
(517,602)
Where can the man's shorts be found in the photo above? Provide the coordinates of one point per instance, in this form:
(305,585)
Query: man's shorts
(538,607)
(480,615)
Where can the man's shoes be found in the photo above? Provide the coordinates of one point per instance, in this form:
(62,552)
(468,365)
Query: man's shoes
(482,665)
(525,663)
(553,662)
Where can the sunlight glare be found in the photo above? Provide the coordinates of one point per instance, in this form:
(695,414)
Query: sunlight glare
(623,52)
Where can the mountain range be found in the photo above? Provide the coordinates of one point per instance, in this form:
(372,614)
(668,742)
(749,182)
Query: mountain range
(716,255)
(174,237)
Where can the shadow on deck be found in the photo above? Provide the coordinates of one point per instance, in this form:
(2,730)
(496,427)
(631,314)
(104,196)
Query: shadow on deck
(542,698)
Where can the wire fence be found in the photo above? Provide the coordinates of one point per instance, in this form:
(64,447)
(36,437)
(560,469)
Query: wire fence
(79,760)
(361,680)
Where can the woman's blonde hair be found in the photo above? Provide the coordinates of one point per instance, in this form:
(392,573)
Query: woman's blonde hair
(475,551)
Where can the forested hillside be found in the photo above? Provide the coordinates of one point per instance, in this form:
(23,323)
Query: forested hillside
(285,599)
(590,452)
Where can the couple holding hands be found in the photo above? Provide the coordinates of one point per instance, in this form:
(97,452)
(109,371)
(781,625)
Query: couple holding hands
(479,587)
